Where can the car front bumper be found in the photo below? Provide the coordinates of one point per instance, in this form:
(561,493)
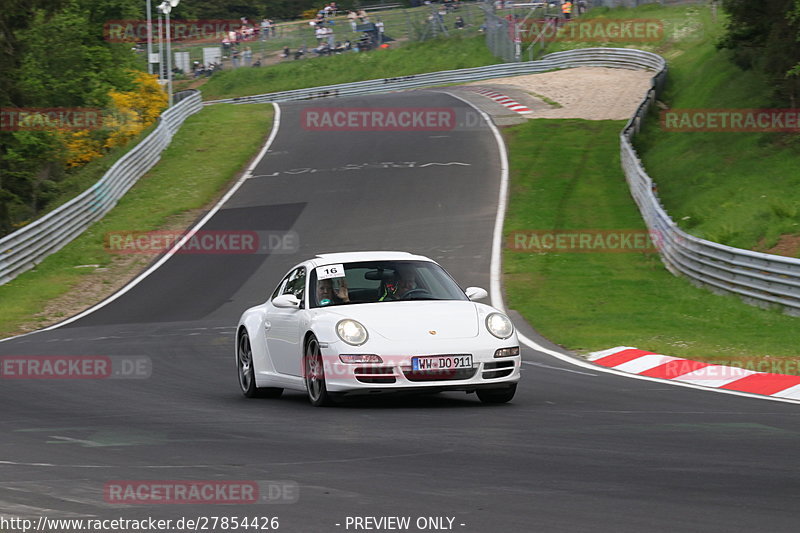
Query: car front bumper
(395,372)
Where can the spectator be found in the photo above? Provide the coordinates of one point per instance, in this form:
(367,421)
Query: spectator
(352,17)
(264,29)
(459,23)
(379,25)
(566,10)
(247,54)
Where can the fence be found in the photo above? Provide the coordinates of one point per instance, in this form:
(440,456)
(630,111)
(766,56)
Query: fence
(504,25)
(636,3)
(28,246)
(400,26)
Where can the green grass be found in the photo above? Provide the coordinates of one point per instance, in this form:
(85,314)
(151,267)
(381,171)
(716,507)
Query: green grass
(191,173)
(683,28)
(565,174)
(739,189)
(414,58)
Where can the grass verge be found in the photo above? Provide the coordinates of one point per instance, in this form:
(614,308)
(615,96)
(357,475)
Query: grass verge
(566,175)
(191,173)
(737,188)
(415,58)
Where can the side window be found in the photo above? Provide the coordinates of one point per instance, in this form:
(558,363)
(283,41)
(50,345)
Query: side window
(278,288)
(296,283)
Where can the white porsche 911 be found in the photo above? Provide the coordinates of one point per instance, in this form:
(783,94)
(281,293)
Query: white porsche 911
(367,322)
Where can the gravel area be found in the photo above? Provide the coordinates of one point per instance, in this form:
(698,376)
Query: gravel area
(591,93)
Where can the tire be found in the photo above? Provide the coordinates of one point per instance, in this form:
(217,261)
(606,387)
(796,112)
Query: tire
(503,395)
(246,373)
(314,371)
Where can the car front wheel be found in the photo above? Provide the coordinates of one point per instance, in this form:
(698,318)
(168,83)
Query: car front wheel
(314,368)
(503,395)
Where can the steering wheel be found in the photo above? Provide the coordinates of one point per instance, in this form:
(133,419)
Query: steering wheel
(415,292)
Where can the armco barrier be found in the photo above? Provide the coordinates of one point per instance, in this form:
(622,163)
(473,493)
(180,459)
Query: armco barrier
(594,57)
(28,246)
(762,279)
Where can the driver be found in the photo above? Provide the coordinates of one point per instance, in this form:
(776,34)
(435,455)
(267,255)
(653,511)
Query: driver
(403,281)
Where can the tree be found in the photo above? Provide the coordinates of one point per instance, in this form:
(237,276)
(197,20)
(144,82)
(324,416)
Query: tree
(764,37)
(52,54)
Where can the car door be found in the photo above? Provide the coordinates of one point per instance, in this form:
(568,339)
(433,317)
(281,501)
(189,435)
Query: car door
(283,327)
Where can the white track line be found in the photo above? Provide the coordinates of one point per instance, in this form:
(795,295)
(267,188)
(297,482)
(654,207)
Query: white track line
(247,174)
(496,293)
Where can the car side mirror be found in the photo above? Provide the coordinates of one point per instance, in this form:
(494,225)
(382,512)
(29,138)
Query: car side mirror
(476,293)
(286,301)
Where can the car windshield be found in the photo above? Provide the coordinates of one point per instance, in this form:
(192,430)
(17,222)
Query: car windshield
(381,281)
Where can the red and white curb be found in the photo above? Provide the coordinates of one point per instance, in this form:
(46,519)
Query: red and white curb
(642,363)
(504,100)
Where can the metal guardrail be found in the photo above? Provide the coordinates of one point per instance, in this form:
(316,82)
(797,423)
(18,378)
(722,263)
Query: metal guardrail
(597,57)
(28,246)
(760,279)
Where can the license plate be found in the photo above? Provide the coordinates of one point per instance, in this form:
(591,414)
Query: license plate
(441,362)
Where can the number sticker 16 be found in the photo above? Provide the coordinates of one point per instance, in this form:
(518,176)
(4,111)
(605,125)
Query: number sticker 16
(330,271)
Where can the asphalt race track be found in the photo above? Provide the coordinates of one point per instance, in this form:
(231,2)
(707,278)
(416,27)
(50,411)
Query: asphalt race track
(576,450)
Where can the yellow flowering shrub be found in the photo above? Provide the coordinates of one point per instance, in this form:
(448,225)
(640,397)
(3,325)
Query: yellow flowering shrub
(131,112)
(135,110)
(80,147)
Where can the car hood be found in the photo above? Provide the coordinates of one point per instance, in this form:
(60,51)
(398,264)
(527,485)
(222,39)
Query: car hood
(416,319)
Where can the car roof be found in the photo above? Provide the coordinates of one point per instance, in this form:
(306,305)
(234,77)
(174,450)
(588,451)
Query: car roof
(350,257)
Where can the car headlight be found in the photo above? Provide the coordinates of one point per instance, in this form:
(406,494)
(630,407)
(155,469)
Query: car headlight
(352,332)
(499,325)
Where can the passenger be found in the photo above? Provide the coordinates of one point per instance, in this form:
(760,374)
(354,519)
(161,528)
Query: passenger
(328,295)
